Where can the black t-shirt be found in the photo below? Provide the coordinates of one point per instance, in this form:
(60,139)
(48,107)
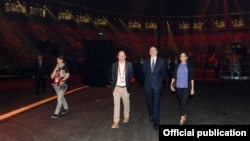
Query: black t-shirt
(65,69)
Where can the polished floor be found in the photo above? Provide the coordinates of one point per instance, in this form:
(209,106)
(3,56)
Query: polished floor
(216,102)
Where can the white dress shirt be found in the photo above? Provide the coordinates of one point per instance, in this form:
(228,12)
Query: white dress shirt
(151,60)
(121,74)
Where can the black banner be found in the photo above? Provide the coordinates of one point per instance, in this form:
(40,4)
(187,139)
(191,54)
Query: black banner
(199,132)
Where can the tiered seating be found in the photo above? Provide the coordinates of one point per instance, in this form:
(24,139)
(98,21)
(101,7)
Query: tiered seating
(39,31)
(14,46)
(68,35)
(17,38)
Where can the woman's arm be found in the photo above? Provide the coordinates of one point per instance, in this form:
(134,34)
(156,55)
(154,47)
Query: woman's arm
(172,87)
(192,87)
(53,74)
(65,77)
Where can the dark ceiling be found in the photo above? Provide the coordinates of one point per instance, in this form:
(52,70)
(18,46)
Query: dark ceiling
(162,7)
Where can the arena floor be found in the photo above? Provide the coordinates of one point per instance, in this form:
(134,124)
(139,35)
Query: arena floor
(216,102)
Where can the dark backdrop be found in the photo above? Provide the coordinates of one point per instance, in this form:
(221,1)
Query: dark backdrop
(98,58)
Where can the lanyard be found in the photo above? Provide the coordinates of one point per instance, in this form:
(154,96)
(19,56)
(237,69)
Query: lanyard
(122,76)
(57,77)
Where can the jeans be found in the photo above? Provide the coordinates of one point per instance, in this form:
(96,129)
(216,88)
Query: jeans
(61,101)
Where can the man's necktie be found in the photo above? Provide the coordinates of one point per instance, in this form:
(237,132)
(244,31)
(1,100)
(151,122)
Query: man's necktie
(152,65)
(39,64)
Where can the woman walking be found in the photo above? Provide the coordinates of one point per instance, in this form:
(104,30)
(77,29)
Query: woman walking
(183,83)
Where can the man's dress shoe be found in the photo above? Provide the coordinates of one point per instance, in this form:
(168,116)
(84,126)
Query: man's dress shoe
(151,119)
(156,126)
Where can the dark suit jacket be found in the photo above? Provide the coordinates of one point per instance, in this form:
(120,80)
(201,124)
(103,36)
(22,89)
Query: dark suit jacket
(154,80)
(129,74)
(40,72)
(171,65)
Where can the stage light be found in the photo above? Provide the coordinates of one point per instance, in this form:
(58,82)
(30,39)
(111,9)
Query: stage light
(82,19)
(151,25)
(238,23)
(184,25)
(64,16)
(198,25)
(100,21)
(220,24)
(134,24)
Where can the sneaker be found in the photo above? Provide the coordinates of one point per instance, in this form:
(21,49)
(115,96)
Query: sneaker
(65,111)
(115,125)
(55,116)
(125,120)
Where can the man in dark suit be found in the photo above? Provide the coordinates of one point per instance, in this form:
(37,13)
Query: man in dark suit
(204,67)
(140,73)
(121,74)
(216,68)
(170,69)
(155,73)
(40,73)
